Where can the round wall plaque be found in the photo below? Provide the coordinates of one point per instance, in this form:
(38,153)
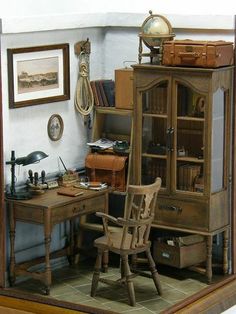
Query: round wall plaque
(55,127)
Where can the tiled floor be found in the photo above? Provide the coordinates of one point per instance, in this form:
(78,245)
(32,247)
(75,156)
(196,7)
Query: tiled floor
(73,284)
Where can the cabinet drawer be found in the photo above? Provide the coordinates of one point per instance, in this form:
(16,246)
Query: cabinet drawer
(78,208)
(182,214)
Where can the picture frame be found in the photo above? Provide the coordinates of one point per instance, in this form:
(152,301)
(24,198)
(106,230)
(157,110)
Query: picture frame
(55,127)
(38,75)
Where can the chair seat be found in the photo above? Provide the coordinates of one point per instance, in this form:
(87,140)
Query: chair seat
(113,243)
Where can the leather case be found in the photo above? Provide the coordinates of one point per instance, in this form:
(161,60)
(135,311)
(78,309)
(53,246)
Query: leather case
(110,169)
(207,54)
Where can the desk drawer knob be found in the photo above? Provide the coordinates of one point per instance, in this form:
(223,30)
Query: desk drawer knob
(78,209)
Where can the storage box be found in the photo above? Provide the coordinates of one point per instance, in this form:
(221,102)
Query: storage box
(124,88)
(185,253)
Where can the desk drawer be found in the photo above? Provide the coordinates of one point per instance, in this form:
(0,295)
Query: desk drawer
(79,208)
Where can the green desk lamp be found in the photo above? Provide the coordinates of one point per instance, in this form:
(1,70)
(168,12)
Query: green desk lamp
(27,160)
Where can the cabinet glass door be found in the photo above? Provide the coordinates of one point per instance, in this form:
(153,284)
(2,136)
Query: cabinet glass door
(154,134)
(190,126)
(219,132)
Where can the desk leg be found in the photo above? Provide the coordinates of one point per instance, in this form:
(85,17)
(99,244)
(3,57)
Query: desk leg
(47,243)
(105,257)
(12,277)
(225,251)
(209,240)
(71,244)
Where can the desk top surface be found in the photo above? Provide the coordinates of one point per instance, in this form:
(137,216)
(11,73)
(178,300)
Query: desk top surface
(51,199)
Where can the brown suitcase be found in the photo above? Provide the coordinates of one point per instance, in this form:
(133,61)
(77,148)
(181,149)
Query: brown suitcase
(207,54)
(110,169)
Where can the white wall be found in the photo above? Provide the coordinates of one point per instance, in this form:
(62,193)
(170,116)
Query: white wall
(25,129)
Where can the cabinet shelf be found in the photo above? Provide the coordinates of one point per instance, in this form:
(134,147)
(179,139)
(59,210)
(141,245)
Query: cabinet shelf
(155,115)
(191,159)
(154,156)
(187,118)
(113,110)
(190,131)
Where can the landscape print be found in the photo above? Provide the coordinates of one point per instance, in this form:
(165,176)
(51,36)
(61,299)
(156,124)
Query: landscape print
(37,74)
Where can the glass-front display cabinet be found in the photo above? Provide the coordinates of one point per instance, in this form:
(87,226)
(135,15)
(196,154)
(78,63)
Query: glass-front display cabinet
(182,134)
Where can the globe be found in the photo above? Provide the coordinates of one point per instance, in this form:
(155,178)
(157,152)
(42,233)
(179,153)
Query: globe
(154,31)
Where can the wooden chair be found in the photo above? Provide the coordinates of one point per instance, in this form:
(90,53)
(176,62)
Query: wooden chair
(133,237)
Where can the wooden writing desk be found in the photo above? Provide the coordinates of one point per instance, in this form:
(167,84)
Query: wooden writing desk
(50,209)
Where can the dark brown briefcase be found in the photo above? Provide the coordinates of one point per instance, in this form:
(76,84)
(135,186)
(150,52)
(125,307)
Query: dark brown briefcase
(110,169)
(207,54)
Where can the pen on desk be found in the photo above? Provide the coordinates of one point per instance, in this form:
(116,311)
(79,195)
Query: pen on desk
(63,163)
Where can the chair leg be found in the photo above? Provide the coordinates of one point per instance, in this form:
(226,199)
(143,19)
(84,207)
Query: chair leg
(96,274)
(155,275)
(130,285)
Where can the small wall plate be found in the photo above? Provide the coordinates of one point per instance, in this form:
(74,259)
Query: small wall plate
(55,127)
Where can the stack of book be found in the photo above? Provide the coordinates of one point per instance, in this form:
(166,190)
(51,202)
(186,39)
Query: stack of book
(103,92)
(187,174)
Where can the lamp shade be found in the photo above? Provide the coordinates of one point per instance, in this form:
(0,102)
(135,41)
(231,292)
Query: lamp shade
(31,158)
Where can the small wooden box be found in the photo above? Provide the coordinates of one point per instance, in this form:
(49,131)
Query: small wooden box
(179,256)
(124,88)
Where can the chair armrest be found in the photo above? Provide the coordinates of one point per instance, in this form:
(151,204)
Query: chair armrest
(107,217)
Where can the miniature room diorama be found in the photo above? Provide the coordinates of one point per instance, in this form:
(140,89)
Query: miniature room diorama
(117,173)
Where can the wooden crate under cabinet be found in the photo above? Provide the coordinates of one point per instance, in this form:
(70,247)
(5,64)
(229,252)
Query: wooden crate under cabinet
(180,254)
(124,88)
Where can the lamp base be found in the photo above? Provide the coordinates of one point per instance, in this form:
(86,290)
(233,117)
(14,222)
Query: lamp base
(24,195)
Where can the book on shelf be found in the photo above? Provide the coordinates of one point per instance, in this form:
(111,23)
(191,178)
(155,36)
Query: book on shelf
(109,89)
(104,92)
(95,95)
(186,176)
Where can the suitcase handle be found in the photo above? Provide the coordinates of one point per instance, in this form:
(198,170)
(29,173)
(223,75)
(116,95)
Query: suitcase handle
(189,55)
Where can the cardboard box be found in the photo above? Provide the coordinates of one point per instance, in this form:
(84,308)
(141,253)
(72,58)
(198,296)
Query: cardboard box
(179,255)
(124,88)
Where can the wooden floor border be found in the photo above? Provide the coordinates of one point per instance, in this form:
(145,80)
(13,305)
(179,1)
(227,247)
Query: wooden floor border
(36,304)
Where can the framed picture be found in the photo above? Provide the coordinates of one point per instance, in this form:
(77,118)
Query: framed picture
(55,127)
(38,75)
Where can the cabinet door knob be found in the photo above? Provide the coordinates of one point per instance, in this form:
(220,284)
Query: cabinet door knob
(170,138)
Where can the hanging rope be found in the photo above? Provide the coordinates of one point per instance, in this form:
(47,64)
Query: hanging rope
(84,96)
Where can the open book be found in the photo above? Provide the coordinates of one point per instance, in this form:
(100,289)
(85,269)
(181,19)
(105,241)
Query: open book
(102,143)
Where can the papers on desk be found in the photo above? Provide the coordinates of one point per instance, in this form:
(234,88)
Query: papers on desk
(102,143)
(96,186)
